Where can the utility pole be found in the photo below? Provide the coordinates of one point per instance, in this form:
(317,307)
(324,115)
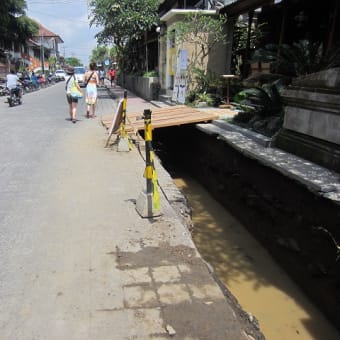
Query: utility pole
(42,54)
(7,53)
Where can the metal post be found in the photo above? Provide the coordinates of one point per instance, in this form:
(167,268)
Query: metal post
(7,53)
(148,149)
(148,204)
(124,143)
(42,54)
(123,128)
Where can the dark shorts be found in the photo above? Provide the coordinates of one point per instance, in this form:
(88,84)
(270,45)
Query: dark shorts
(71,99)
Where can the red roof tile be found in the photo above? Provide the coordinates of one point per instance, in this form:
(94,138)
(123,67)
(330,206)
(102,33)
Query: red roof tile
(43,31)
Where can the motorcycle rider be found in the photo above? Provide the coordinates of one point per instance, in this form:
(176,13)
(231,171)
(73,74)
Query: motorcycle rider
(12,83)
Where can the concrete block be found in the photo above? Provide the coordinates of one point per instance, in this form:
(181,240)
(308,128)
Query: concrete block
(144,205)
(297,119)
(123,145)
(317,124)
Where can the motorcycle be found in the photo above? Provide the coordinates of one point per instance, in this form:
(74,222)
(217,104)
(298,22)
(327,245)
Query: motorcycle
(15,96)
(28,85)
(3,90)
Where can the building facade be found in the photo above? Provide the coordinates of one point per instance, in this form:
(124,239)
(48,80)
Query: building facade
(33,55)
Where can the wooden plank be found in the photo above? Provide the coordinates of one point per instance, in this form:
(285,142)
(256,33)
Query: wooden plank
(169,116)
(173,121)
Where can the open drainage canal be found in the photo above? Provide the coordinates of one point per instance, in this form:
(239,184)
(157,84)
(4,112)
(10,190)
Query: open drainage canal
(248,271)
(261,286)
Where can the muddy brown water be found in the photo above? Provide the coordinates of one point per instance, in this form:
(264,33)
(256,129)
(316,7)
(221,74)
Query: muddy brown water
(249,272)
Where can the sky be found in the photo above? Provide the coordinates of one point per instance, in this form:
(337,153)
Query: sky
(69,20)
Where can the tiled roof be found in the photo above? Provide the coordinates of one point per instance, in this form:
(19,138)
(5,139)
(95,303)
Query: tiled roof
(44,32)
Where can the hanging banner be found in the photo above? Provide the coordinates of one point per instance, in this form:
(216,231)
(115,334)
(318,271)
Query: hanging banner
(180,83)
(182,88)
(172,61)
(183,60)
(176,87)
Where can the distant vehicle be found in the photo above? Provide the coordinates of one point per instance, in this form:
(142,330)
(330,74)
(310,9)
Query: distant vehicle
(79,72)
(60,75)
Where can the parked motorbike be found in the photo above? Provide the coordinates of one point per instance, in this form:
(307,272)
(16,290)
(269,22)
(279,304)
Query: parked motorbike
(15,97)
(3,90)
(28,85)
(50,79)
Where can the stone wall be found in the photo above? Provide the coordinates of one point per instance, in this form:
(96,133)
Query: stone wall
(312,118)
(141,86)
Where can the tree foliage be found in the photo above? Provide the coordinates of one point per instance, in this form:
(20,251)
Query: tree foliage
(52,61)
(14,25)
(123,20)
(99,54)
(241,34)
(72,61)
(300,58)
(202,32)
(102,53)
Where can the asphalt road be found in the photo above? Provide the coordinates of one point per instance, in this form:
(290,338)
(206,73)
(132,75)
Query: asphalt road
(49,181)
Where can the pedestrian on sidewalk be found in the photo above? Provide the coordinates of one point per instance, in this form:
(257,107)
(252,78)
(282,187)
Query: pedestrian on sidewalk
(71,86)
(101,77)
(91,81)
(112,74)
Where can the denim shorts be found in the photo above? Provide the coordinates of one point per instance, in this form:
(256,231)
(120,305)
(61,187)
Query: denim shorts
(71,99)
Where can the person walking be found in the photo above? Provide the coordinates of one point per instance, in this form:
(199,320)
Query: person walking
(91,81)
(112,74)
(101,77)
(72,87)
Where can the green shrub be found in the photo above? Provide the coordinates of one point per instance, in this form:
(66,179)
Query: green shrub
(264,101)
(204,97)
(150,74)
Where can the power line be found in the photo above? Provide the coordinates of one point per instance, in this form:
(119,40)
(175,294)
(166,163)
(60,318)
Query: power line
(53,16)
(55,2)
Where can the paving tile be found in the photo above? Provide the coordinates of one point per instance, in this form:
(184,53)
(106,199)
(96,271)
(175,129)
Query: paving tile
(173,293)
(134,276)
(206,291)
(140,297)
(166,274)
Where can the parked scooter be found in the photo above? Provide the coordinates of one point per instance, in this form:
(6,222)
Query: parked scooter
(4,90)
(15,96)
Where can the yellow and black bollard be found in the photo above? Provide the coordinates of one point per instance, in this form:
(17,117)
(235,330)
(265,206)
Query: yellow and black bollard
(148,203)
(124,143)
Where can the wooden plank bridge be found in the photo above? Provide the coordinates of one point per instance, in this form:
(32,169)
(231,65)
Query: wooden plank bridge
(164,117)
